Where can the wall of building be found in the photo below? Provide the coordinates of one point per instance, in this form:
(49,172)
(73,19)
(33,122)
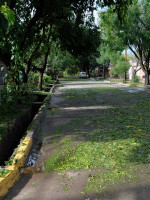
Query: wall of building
(140,74)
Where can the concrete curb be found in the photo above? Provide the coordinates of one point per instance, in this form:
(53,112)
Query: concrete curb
(24,149)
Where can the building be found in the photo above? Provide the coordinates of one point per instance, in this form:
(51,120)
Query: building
(101,71)
(135,69)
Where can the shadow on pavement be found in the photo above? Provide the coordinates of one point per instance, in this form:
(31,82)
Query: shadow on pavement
(18,186)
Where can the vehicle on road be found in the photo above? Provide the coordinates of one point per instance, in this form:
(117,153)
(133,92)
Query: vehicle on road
(82,75)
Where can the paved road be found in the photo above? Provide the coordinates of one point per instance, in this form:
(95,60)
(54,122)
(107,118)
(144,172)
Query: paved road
(36,185)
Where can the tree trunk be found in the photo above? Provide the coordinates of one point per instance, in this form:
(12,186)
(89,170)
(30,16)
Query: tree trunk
(41,70)
(88,73)
(146,78)
(103,71)
(25,78)
(40,81)
(125,77)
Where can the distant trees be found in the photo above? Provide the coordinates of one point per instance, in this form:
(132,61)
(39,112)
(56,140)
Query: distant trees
(109,56)
(132,33)
(83,45)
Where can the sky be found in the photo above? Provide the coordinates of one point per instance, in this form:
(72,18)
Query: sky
(96,16)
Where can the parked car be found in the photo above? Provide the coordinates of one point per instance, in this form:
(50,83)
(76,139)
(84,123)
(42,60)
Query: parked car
(82,75)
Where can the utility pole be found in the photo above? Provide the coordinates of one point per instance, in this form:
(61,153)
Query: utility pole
(125,54)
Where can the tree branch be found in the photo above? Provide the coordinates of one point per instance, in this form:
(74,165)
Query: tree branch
(133,52)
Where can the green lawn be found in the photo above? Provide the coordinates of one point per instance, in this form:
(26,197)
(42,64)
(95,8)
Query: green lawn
(115,143)
(73,78)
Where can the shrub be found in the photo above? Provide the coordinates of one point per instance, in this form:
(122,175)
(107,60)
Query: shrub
(47,80)
(120,68)
(33,79)
(135,79)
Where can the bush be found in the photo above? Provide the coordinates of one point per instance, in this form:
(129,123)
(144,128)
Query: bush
(135,79)
(47,80)
(11,96)
(120,68)
(33,79)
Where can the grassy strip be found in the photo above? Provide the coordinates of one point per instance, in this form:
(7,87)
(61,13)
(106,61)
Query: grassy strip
(116,143)
(84,93)
(72,79)
(41,92)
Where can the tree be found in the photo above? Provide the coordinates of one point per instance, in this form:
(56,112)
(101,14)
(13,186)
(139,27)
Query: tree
(121,68)
(106,57)
(61,60)
(81,41)
(20,44)
(109,56)
(133,33)
(31,18)
(119,6)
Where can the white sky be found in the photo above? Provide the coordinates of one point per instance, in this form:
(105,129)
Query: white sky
(96,16)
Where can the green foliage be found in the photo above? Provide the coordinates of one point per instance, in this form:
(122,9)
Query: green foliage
(132,33)
(61,60)
(135,79)
(3,172)
(120,68)
(17,99)
(47,80)
(25,41)
(115,57)
(84,47)
(13,96)
(8,14)
(104,57)
(119,6)
(33,79)
(108,55)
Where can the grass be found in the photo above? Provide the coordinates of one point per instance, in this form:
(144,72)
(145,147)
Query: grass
(136,85)
(3,172)
(132,84)
(119,80)
(41,92)
(116,143)
(72,78)
(84,93)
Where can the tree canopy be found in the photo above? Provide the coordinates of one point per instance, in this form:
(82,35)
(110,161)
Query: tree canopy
(37,23)
(132,33)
